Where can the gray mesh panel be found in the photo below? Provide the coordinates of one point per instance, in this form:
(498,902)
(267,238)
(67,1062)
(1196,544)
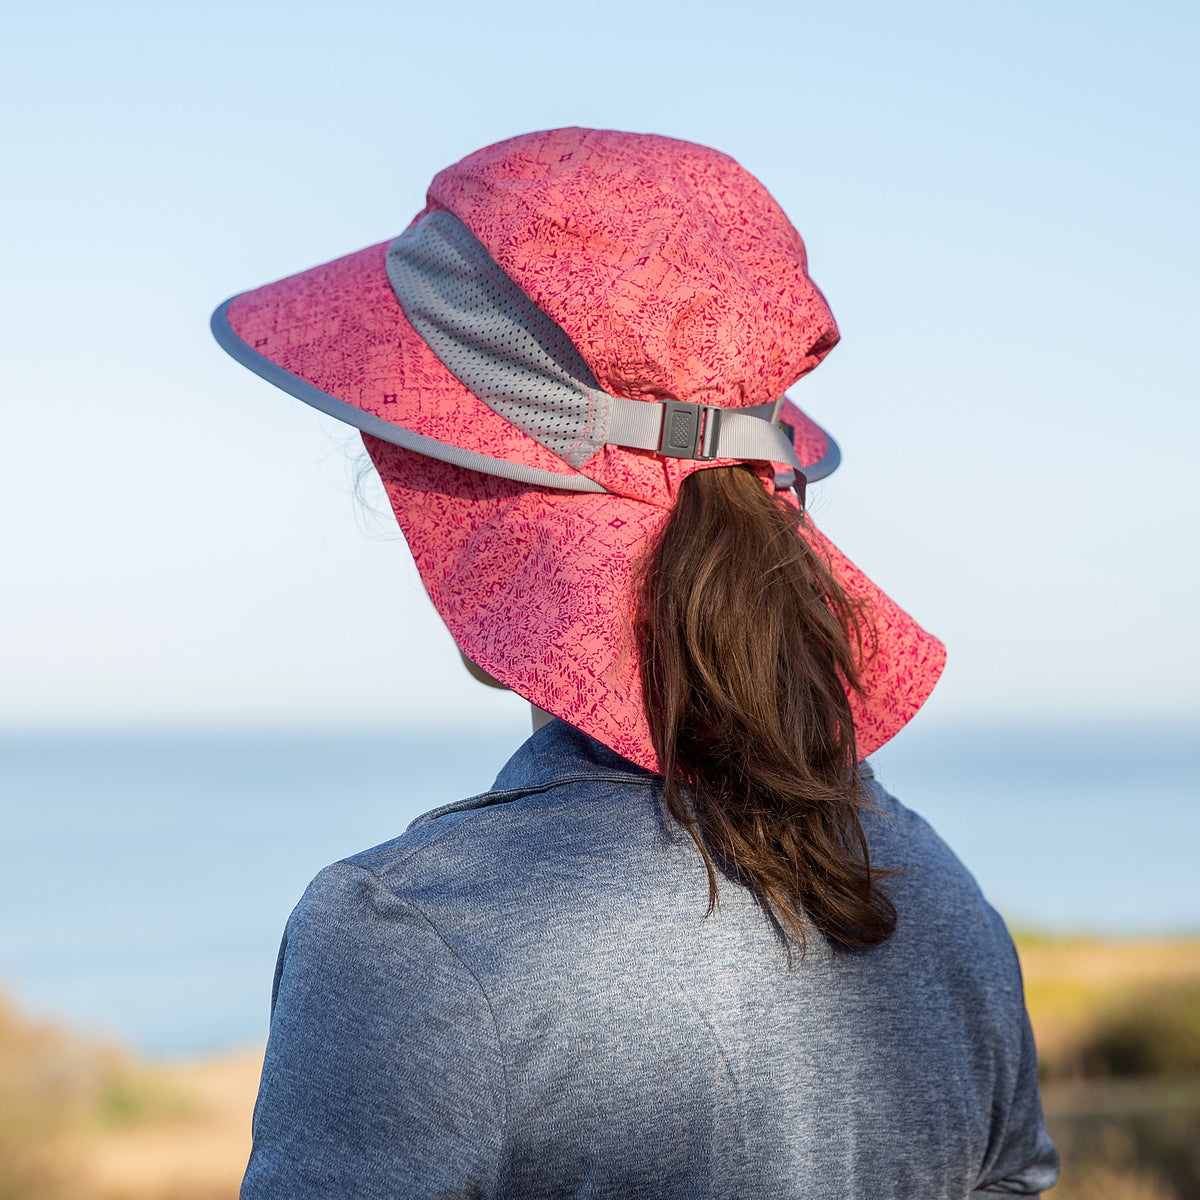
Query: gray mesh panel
(495,340)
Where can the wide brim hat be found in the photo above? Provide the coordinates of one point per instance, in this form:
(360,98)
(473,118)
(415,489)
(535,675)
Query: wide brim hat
(577,321)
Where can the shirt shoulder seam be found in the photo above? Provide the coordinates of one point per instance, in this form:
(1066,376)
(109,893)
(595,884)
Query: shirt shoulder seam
(458,958)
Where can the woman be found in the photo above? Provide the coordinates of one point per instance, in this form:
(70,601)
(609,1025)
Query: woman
(686,946)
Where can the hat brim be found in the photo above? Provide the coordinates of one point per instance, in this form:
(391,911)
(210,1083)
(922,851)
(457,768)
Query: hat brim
(337,338)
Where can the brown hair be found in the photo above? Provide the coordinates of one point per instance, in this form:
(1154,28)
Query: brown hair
(748,645)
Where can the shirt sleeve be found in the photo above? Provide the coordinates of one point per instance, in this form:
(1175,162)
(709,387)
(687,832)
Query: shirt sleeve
(1022,1160)
(383,1075)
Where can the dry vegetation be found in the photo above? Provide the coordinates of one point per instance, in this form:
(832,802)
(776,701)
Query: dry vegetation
(82,1121)
(1118,1027)
(1118,1031)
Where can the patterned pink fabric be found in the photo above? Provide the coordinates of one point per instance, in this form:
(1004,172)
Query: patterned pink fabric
(676,275)
(671,268)
(536,587)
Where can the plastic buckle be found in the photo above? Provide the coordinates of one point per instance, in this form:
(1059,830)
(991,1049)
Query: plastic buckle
(689,430)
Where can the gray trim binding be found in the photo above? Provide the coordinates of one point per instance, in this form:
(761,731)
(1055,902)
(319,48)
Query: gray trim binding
(376,426)
(826,464)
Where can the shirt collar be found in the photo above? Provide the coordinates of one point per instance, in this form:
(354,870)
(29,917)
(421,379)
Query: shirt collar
(558,750)
(557,753)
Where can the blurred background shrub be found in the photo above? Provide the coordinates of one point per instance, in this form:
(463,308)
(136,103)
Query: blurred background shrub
(80,1120)
(1118,1030)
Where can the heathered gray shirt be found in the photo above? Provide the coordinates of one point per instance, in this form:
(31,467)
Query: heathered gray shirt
(522,997)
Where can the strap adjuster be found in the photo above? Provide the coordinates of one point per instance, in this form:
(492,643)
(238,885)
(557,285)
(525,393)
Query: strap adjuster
(689,430)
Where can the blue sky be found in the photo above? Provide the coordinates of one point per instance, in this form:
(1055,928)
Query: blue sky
(999,201)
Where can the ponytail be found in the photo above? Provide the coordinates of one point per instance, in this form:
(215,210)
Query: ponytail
(748,645)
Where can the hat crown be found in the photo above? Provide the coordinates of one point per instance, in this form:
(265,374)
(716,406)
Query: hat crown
(670,267)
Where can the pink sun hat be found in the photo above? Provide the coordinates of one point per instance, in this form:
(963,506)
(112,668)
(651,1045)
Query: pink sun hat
(576,321)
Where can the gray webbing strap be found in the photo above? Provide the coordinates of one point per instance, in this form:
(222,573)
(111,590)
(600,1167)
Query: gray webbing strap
(682,430)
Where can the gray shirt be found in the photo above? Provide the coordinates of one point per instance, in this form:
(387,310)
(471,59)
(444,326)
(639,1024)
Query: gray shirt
(522,997)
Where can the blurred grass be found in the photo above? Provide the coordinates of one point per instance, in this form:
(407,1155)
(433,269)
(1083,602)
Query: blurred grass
(1113,1008)
(1117,1024)
(81,1120)
(1118,1031)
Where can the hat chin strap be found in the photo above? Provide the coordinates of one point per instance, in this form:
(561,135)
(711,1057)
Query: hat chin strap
(493,338)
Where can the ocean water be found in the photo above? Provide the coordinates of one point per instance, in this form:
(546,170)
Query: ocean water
(145,880)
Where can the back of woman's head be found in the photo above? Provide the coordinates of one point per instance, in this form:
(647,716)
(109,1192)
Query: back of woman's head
(543,364)
(748,645)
